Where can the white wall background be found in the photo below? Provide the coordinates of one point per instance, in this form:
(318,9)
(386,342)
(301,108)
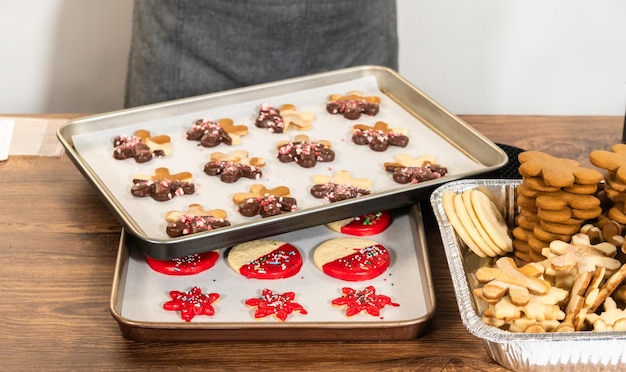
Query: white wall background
(542,57)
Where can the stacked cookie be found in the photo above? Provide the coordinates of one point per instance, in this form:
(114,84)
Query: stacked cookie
(556,197)
(614,162)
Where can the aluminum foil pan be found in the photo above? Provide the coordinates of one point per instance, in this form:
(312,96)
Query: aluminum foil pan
(585,350)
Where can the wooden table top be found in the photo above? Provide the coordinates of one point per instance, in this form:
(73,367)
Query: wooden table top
(59,246)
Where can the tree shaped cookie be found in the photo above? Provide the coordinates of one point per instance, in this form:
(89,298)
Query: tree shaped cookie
(194,220)
(340,186)
(211,133)
(141,146)
(265,202)
(304,152)
(283,119)
(162,185)
(408,169)
(379,136)
(231,167)
(352,105)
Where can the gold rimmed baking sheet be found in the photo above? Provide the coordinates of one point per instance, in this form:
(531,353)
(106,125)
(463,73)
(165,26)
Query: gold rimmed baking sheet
(138,294)
(432,131)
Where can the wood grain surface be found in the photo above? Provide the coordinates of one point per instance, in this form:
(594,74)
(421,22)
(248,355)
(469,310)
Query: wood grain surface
(58,249)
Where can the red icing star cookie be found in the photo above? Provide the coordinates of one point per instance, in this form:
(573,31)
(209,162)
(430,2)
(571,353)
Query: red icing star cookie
(367,224)
(265,259)
(279,305)
(188,265)
(351,259)
(364,299)
(191,303)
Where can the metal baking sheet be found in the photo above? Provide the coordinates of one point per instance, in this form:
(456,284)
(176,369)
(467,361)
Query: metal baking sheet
(432,130)
(138,294)
(552,351)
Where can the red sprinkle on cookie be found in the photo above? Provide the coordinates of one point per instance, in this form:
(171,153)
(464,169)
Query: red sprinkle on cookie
(364,299)
(188,265)
(191,303)
(279,305)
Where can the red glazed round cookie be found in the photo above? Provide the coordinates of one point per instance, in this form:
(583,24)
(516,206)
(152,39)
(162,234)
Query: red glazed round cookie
(367,224)
(351,259)
(188,265)
(265,259)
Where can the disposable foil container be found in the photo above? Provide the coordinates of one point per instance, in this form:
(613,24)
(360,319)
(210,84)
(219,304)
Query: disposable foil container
(584,350)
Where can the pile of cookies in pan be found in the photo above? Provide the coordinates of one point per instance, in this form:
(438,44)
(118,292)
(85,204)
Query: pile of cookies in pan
(566,267)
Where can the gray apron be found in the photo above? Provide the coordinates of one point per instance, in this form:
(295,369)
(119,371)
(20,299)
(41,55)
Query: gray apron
(183,48)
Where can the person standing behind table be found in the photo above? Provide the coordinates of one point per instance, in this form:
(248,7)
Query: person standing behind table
(183,48)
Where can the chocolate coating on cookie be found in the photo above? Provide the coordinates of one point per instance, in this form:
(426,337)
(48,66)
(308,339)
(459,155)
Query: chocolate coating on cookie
(336,192)
(405,175)
(305,154)
(209,133)
(161,190)
(352,109)
(379,140)
(231,172)
(269,117)
(194,224)
(267,206)
(127,147)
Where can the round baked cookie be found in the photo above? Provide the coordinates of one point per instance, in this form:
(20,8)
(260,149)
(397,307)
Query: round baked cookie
(468,225)
(364,225)
(447,200)
(265,259)
(479,223)
(351,259)
(188,265)
(492,220)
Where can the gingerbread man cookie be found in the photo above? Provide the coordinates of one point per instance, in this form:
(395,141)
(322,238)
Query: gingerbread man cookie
(407,169)
(231,167)
(141,146)
(379,137)
(305,152)
(265,202)
(339,187)
(281,120)
(556,172)
(352,105)
(194,220)
(163,185)
(211,133)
